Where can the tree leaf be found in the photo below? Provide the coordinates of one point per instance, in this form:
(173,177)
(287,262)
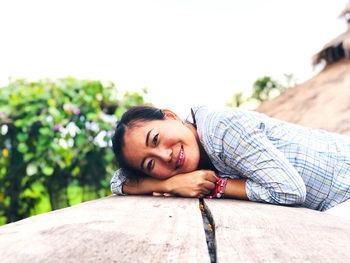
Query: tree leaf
(80,140)
(22,148)
(28,156)
(47,170)
(22,137)
(44,131)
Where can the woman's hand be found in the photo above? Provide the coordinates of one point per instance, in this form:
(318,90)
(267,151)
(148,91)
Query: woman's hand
(162,194)
(194,184)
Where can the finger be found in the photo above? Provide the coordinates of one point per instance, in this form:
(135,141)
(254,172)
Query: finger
(157,194)
(206,191)
(211,176)
(168,194)
(201,195)
(209,185)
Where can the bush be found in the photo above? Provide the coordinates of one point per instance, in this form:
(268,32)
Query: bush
(264,89)
(55,138)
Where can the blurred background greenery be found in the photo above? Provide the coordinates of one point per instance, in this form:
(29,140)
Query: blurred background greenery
(264,88)
(55,143)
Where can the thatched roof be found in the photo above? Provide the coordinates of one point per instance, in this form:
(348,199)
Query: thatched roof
(339,47)
(323,102)
(346,10)
(335,50)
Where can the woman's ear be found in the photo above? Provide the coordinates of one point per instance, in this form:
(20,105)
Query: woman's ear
(170,115)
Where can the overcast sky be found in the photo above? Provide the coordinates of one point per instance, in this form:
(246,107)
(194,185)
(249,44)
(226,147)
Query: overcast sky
(186,52)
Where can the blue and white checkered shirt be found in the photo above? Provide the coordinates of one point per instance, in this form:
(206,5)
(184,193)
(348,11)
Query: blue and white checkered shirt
(283,163)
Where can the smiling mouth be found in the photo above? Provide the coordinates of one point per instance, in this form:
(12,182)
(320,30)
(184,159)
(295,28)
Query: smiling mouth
(181,158)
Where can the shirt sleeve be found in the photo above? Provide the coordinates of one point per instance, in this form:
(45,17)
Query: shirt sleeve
(270,177)
(117,182)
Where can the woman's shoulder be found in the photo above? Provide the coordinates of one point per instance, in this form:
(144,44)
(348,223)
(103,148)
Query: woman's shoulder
(210,122)
(216,123)
(213,116)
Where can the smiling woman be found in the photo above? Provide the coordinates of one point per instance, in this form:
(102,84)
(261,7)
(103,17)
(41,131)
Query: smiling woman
(162,146)
(233,153)
(154,143)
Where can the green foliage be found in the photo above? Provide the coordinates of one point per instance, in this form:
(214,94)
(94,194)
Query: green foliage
(55,137)
(264,89)
(236,100)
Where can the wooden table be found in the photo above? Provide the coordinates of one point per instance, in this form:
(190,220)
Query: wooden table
(170,229)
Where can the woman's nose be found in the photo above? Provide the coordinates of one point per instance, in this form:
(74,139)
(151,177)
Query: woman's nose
(165,154)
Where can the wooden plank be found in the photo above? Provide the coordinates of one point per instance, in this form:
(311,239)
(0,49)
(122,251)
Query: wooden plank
(254,232)
(112,229)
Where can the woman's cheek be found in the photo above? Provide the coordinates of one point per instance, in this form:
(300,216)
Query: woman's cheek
(162,173)
(157,173)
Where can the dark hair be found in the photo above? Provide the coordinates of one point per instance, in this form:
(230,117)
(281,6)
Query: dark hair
(128,120)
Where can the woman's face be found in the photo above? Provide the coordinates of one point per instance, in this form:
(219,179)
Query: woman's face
(162,148)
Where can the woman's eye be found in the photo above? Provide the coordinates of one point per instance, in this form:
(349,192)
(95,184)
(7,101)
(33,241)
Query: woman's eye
(155,139)
(149,165)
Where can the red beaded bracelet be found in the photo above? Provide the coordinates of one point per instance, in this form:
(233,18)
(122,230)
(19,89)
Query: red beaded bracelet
(219,190)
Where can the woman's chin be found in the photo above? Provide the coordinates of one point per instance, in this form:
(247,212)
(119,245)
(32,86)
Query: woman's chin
(189,169)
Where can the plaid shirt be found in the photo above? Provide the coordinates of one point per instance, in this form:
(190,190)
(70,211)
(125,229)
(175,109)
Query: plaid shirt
(283,163)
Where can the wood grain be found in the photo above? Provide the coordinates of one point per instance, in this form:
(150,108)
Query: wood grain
(112,229)
(254,232)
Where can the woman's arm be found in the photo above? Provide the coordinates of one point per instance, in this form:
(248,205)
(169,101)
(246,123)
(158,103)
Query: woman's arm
(146,185)
(235,188)
(269,175)
(194,184)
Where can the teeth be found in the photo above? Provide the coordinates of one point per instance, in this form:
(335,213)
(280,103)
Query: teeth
(181,155)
